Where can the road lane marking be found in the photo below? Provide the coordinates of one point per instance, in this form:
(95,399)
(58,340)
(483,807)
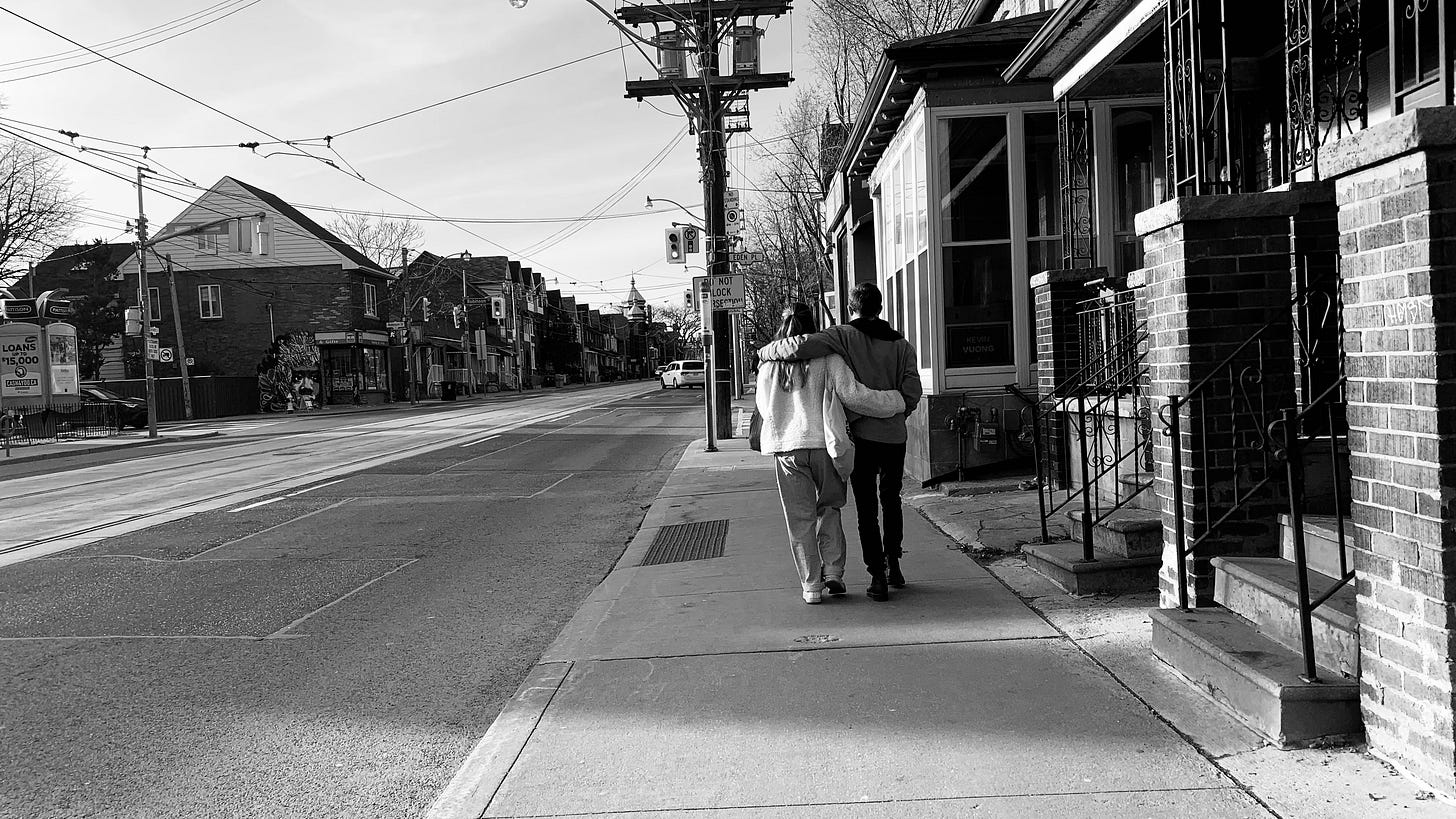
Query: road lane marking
(479,441)
(547,489)
(259,503)
(337,600)
(289,522)
(311,488)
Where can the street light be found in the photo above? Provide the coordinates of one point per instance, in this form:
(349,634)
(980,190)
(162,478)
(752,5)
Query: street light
(684,209)
(611,18)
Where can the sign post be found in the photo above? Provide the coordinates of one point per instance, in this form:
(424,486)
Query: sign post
(709,388)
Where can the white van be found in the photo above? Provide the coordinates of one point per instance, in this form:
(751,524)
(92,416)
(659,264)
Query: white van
(685,373)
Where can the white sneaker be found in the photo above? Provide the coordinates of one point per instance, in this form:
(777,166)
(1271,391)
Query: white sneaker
(813,597)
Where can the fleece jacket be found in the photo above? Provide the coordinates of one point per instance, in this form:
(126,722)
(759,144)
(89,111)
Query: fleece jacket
(790,398)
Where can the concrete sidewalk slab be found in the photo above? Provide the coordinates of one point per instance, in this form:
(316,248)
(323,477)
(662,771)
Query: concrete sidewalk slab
(839,727)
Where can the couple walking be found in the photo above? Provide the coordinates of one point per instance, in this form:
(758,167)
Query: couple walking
(811,385)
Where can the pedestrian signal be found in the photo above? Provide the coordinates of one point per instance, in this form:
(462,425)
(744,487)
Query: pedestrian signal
(675,254)
(133,316)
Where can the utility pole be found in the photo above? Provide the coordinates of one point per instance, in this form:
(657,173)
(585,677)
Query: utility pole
(706,99)
(409,330)
(181,345)
(145,298)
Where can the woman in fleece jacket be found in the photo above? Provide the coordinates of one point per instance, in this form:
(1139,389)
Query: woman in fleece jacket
(794,400)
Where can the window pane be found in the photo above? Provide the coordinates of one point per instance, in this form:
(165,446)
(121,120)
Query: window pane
(1137,137)
(897,182)
(978,306)
(911,243)
(976,205)
(921,233)
(1043,178)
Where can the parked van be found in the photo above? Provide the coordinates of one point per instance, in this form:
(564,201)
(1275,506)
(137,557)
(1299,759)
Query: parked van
(683,374)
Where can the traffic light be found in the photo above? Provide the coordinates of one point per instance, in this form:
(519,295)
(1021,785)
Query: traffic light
(425,309)
(133,317)
(690,239)
(675,254)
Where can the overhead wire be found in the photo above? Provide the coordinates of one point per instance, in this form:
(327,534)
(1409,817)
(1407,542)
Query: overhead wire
(123,53)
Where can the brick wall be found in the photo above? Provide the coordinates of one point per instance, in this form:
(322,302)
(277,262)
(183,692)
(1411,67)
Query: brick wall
(1397,214)
(1217,272)
(315,299)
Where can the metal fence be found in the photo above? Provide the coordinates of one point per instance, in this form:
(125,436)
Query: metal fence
(48,423)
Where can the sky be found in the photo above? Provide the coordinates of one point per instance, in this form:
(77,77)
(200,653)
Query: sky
(552,146)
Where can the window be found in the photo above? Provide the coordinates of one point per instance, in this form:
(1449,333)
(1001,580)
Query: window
(209,301)
(1137,137)
(242,231)
(206,242)
(1421,70)
(977,268)
(371,301)
(1043,193)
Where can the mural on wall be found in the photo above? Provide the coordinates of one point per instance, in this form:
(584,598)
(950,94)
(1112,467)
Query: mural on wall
(290,357)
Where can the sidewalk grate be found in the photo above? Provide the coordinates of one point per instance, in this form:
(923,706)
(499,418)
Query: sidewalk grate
(687,541)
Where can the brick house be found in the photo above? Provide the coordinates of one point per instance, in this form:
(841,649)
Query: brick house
(270,272)
(1216,269)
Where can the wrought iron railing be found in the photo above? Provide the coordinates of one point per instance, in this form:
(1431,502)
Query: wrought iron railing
(1246,447)
(1325,78)
(1101,413)
(1202,152)
(25,426)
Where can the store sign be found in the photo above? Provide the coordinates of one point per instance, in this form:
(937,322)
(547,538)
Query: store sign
(980,345)
(65,359)
(336,338)
(21,363)
(18,309)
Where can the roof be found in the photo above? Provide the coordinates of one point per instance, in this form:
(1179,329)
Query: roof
(320,232)
(908,64)
(64,258)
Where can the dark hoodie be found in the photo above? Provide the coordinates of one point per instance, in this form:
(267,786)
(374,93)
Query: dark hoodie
(881,359)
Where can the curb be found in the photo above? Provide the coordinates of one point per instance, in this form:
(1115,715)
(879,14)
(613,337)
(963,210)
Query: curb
(91,450)
(490,761)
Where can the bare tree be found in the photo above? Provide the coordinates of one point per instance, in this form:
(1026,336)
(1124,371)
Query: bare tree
(848,37)
(378,237)
(37,208)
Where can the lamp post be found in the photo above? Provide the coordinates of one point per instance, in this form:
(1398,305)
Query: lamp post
(652,200)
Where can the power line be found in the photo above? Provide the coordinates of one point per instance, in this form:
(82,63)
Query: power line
(123,53)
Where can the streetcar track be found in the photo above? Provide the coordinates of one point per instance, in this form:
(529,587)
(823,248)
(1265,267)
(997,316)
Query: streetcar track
(297,479)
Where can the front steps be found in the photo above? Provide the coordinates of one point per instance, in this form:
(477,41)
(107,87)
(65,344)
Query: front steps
(1245,654)
(1126,551)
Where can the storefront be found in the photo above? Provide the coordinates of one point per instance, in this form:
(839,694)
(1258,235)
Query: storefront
(354,366)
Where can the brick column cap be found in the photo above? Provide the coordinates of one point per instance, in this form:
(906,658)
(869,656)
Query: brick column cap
(1225,206)
(1079,275)
(1421,129)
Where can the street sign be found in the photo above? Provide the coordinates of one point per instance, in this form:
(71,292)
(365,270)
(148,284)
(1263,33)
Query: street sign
(154,349)
(394,325)
(730,197)
(728,293)
(164,355)
(732,221)
(747,256)
(191,361)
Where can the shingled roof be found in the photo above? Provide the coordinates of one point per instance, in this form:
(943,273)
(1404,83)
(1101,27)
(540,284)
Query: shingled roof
(319,231)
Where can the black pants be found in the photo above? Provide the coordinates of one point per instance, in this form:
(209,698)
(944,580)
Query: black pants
(878,468)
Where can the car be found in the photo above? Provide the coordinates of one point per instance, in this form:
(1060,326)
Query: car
(686,373)
(130,412)
(661,368)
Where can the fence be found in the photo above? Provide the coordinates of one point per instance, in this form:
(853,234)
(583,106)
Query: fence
(46,423)
(213,396)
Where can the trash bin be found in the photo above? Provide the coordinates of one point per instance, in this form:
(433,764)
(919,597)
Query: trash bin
(449,390)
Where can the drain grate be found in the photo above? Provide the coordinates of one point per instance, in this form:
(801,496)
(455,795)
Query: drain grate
(687,541)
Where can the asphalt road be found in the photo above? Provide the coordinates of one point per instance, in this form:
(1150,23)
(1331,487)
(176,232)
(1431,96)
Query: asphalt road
(326,649)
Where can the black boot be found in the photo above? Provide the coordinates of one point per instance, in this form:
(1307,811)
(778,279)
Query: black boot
(879,590)
(892,569)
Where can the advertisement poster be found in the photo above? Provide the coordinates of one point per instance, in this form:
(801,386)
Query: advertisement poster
(65,359)
(21,364)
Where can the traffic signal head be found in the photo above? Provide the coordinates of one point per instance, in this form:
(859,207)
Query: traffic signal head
(675,249)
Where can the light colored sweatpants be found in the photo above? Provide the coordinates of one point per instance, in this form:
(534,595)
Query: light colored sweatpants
(812,494)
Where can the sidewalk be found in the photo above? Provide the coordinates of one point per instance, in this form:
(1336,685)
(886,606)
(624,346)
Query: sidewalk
(707,685)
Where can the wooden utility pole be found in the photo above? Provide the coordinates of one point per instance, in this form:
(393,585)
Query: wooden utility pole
(144,297)
(181,345)
(705,25)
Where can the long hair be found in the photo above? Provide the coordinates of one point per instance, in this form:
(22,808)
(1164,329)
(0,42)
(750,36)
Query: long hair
(798,320)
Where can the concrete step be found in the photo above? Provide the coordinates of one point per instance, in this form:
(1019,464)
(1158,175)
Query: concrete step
(1062,564)
(1139,487)
(1257,679)
(1321,543)
(1125,533)
(1264,591)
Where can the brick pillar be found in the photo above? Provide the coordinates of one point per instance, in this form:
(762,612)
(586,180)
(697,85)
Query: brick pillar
(1216,270)
(1397,202)
(1055,294)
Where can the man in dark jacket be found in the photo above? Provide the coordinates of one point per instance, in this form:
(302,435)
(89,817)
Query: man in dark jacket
(881,359)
